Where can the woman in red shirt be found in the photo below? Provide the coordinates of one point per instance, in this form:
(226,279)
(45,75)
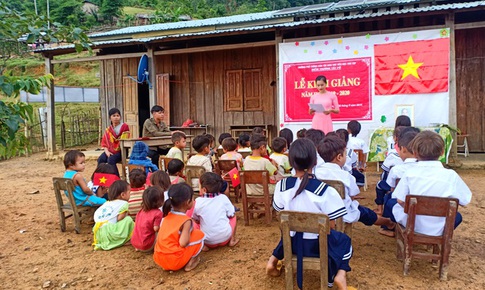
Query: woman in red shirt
(111,139)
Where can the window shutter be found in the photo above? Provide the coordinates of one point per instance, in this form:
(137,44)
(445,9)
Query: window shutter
(163,94)
(234,91)
(252,90)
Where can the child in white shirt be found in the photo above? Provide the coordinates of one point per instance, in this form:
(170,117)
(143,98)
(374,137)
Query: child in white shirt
(243,143)
(279,145)
(215,213)
(316,136)
(401,121)
(302,192)
(333,152)
(202,158)
(354,143)
(406,155)
(221,138)
(352,158)
(428,178)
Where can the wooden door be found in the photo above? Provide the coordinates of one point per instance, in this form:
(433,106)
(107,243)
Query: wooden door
(130,106)
(470,85)
(163,95)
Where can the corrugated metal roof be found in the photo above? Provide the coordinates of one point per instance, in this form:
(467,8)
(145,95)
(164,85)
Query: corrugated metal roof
(442,7)
(95,43)
(454,6)
(186,24)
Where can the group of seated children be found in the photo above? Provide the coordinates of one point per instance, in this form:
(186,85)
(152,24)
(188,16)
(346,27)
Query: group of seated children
(183,230)
(420,173)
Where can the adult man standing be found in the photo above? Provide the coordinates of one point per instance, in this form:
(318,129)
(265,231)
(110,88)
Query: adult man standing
(155,127)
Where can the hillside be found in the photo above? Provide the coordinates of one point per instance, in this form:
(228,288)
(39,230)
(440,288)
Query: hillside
(77,74)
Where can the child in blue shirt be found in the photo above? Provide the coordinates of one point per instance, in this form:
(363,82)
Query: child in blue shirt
(75,162)
(139,155)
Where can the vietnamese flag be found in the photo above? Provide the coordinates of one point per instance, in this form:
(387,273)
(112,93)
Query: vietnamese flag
(104,179)
(234,175)
(412,67)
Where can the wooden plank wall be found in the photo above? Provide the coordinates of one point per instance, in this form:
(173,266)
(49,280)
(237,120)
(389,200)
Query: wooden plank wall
(197,86)
(470,79)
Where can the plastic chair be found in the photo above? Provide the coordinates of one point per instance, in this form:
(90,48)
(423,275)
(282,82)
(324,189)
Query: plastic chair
(256,177)
(63,187)
(464,145)
(310,223)
(406,238)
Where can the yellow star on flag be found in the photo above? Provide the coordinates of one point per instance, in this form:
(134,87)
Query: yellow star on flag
(102,180)
(235,176)
(410,68)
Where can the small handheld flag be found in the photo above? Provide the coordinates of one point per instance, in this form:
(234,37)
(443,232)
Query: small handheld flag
(104,179)
(234,175)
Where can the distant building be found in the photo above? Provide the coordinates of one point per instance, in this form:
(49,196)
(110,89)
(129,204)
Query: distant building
(89,7)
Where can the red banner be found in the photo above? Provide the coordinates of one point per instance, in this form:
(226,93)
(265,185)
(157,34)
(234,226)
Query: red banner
(412,67)
(348,78)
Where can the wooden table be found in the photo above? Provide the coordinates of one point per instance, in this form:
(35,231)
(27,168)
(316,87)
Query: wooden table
(204,128)
(238,129)
(126,144)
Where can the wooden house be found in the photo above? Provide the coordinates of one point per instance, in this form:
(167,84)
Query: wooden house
(224,71)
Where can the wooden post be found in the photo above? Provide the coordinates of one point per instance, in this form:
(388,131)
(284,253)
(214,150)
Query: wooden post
(152,70)
(51,115)
(450,23)
(276,97)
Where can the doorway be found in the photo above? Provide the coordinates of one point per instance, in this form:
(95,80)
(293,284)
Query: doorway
(143,105)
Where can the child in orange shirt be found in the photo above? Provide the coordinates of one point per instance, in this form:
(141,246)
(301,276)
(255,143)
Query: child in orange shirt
(178,243)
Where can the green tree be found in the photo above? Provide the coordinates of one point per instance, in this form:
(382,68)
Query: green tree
(67,12)
(13,113)
(110,9)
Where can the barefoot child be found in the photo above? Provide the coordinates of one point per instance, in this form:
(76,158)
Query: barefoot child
(148,220)
(215,213)
(114,226)
(74,161)
(302,192)
(178,243)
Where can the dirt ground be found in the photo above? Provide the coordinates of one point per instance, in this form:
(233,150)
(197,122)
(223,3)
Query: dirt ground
(35,254)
